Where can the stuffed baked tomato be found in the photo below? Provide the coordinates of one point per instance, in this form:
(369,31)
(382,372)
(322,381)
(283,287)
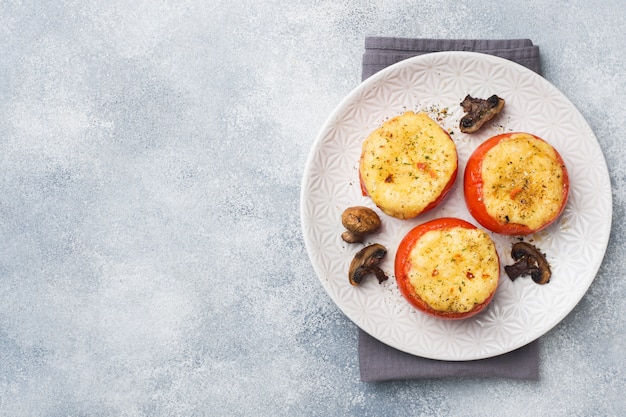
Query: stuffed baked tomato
(447,268)
(515,184)
(408,165)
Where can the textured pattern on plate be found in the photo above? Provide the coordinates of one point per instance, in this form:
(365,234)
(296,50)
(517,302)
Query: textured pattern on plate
(521,311)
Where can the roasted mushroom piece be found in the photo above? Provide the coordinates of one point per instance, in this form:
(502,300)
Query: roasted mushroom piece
(366,262)
(479,111)
(359,221)
(529,261)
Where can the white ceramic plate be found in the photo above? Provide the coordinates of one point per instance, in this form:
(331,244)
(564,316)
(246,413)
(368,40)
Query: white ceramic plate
(521,311)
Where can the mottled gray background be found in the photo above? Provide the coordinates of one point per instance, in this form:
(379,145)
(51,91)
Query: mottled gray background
(151,258)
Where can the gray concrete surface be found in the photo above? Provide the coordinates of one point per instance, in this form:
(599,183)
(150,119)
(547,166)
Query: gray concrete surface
(151,257)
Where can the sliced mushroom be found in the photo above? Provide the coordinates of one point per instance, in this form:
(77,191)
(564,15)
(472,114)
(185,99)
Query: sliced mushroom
(479,111)
(366,262)
(359,221)
(529,261)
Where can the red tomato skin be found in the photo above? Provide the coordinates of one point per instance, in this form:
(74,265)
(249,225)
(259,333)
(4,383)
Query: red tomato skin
(402,278)
(473,190)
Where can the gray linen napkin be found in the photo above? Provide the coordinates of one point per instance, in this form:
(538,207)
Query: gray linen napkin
(377,361)
(381,52)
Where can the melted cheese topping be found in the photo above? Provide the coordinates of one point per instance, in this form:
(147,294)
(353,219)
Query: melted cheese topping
(522,181)
(407,163)
(454,270)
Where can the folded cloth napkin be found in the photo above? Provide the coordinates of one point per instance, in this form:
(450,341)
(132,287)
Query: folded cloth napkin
(377,361)
(381,52)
